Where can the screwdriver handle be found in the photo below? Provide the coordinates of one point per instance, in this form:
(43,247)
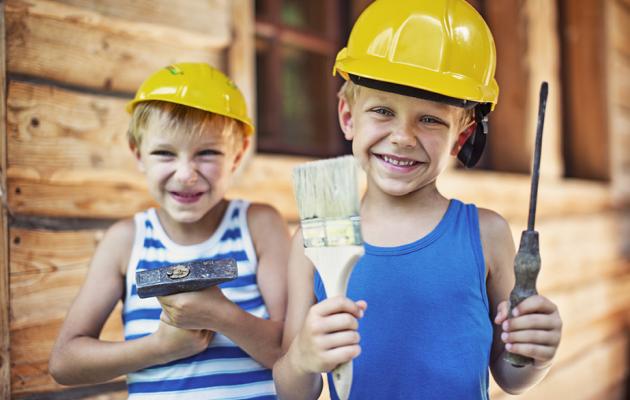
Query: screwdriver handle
(526,269)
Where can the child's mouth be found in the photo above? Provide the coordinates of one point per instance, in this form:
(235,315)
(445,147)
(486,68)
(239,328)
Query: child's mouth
(398,162)
(186,198)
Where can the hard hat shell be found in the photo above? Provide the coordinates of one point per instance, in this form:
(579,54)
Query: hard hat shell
(196,85)
(440,46)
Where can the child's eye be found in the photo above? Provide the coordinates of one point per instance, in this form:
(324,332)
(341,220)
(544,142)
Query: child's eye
(162,153)
(383,111)
(209,152)
(429,119)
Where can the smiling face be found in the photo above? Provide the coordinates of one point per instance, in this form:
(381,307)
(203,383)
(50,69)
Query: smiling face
(188,171)
(403,143)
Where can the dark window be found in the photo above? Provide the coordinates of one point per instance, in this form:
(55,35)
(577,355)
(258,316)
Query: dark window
(296,45)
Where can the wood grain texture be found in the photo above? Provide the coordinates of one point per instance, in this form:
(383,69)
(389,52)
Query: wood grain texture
(34,327)
(586,142)
(79,46)
(5,335)
(195,16)
(617,24)
(69,157)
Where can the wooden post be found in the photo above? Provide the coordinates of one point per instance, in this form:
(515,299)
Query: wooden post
(5,359)
(241,60)
(617,23)
(526,38)
(543,61)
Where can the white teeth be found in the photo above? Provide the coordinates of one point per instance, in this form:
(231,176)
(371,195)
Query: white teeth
(398,163)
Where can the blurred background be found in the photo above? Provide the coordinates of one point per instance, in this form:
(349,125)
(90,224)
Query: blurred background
(69,66)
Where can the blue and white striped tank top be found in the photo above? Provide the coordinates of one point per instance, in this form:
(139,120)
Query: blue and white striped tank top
(223,370)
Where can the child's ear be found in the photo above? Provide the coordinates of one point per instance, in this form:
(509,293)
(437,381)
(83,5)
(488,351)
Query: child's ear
(240,153)
(463,137)
(136,153)
(344,112)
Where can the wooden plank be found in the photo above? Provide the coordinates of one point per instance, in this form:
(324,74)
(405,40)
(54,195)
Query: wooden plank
(34,327)
(41,251)
(80,47)
(5,336)
(584,67)
(193,16)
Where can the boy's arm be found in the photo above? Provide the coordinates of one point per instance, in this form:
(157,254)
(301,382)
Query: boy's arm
(78,356)
(210,309)
(317,337)
(536,331)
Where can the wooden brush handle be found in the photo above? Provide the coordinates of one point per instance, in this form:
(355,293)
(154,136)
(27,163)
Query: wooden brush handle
(334,265)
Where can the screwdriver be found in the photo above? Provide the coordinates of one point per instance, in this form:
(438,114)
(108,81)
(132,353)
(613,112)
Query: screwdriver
(527,260)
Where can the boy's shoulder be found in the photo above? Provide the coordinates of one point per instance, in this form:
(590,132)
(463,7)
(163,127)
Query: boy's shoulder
(117,242)
(492,223)
(266,224)
(496,239)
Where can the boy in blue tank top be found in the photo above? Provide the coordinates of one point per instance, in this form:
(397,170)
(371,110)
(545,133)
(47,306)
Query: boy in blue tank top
(436,273)
(189,131)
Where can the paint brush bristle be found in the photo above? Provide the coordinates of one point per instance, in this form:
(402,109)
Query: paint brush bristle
(328,202)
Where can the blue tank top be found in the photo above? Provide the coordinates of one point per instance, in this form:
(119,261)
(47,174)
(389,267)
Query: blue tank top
(427,332)
(223,371)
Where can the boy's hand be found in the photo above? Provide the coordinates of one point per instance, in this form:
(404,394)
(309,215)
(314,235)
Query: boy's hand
(177,343)
(329,335)
(202,309)
(534,331)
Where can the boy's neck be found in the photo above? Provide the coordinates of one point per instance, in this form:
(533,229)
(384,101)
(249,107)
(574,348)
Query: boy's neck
(388,220)
(187,234)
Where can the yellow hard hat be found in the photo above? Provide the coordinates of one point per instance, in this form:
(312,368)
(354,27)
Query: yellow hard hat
(437,46)
(196,85)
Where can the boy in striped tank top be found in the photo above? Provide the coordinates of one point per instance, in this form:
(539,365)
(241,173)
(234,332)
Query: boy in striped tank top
(189,130)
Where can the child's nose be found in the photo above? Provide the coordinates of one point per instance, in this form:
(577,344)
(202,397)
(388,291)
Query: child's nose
(186,173)
(402,136)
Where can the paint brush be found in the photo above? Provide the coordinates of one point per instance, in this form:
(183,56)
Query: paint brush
(328,204)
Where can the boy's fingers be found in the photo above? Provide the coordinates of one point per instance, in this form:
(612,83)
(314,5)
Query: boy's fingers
(502,312)
(536,352)
(532,322)
(339,339)
(546,338)
(336,305)
(342,355)
(535,304)
(336,322)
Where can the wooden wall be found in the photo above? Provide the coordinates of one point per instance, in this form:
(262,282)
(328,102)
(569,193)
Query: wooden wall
(71,65)
(66,174)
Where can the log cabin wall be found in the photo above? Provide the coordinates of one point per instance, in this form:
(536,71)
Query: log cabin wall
(71,65)
(66,172)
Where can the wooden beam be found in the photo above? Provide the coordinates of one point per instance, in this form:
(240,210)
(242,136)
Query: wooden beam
(81,47)
(241,60)
(617,23)
(526,38)
(584,67)
(543,61)
(5,337)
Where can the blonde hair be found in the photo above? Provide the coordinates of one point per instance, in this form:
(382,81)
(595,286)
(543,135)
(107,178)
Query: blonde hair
(180,120)
(350,91)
